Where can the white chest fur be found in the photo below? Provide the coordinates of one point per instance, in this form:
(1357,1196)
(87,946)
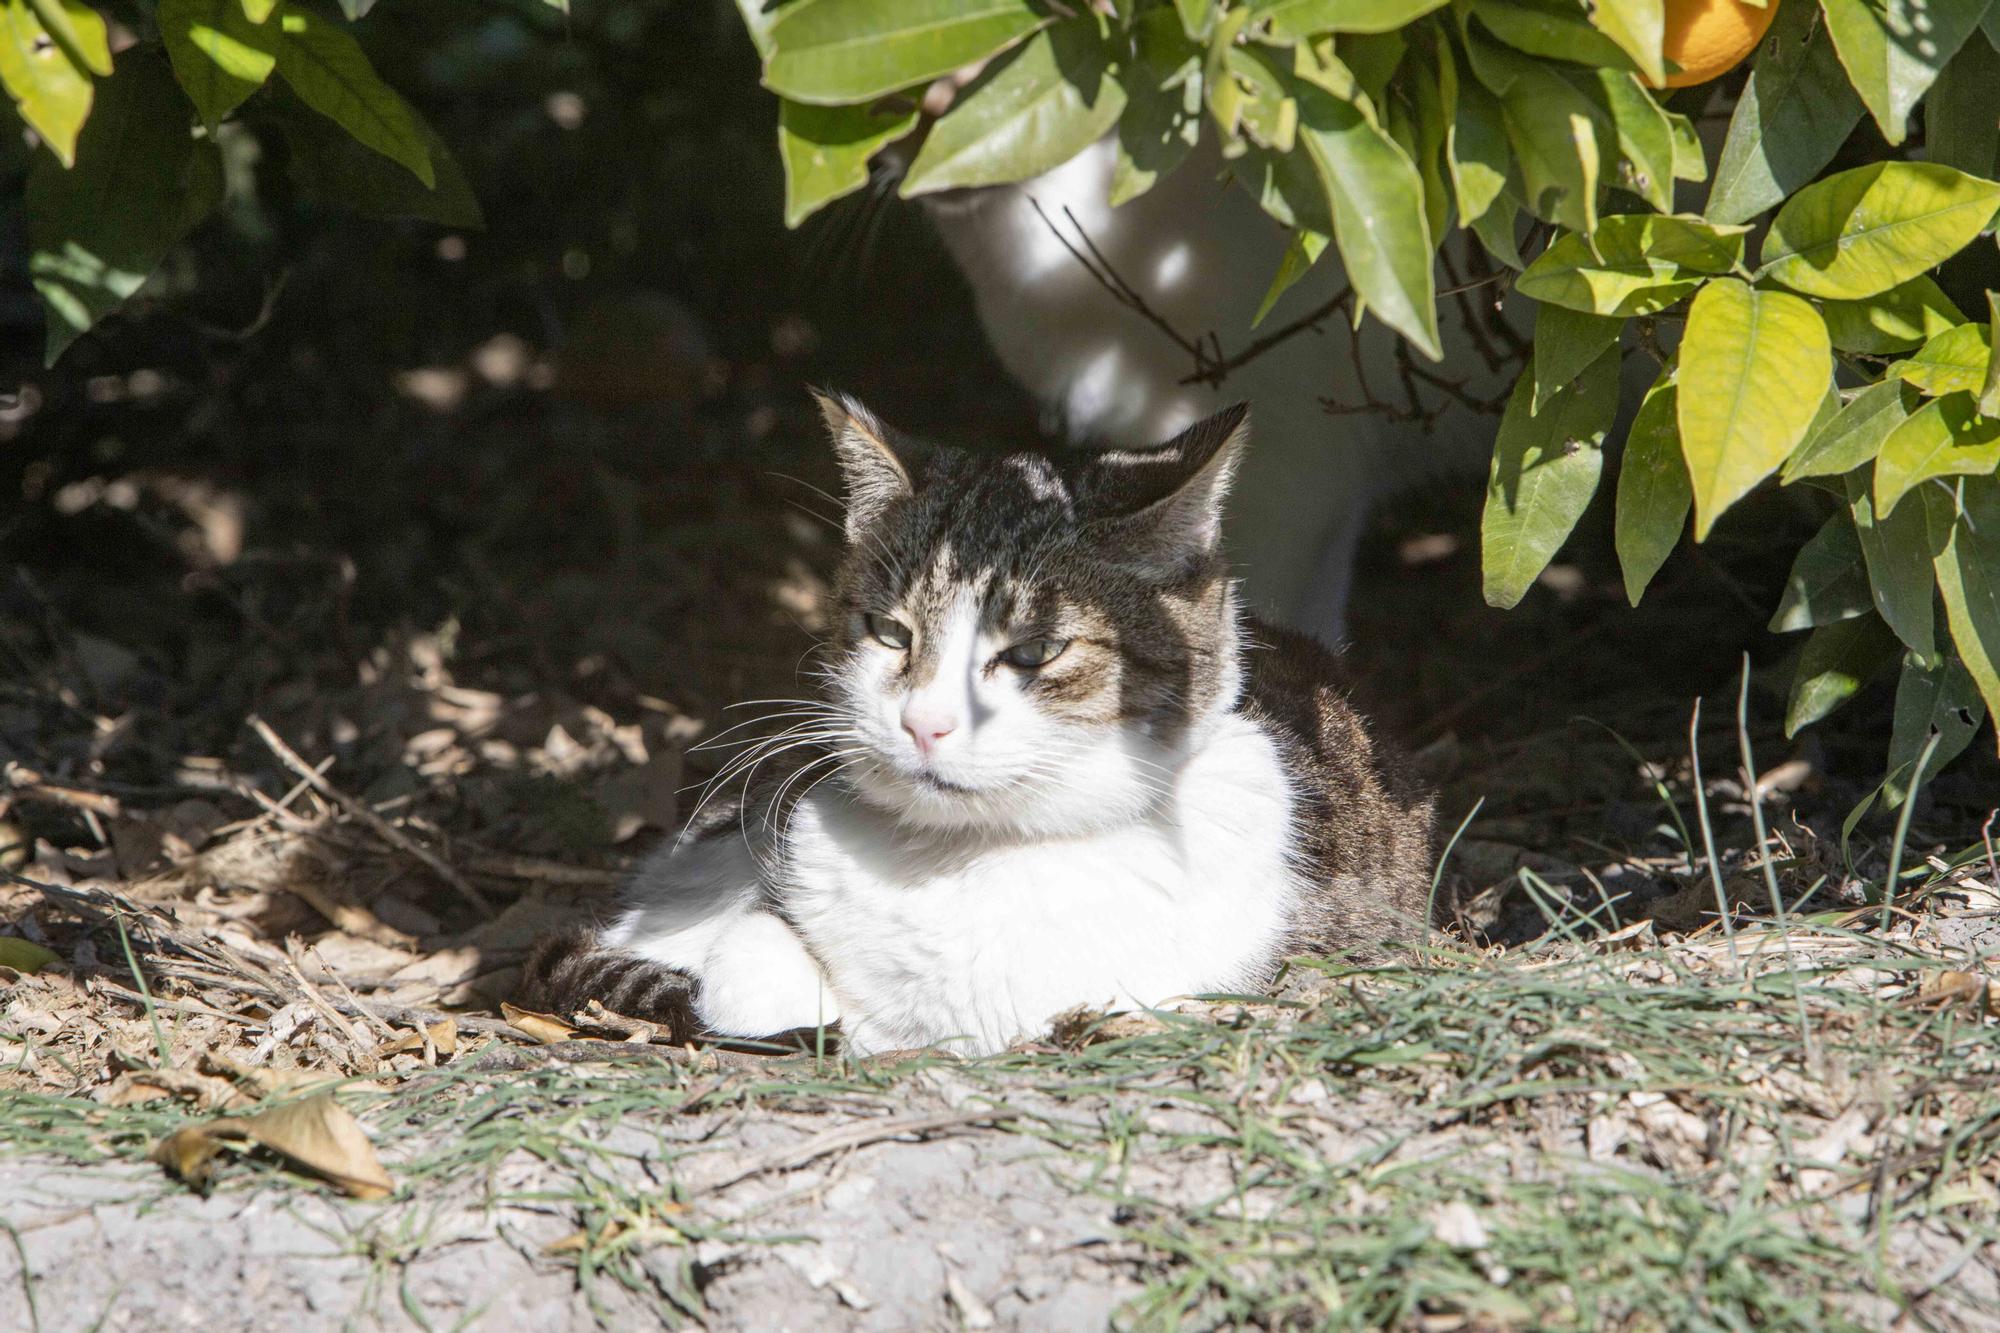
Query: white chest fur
(927,941)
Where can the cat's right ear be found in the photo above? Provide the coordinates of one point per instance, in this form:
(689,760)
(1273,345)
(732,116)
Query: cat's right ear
(875,465)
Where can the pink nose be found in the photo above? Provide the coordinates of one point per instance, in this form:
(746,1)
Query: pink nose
(927,728)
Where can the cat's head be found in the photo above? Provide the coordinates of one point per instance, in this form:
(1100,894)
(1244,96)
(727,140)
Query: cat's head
(1026,640)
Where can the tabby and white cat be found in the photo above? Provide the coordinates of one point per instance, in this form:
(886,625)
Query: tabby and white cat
(1053,763)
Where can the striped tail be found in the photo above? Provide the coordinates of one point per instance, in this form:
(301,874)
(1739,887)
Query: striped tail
(568,970)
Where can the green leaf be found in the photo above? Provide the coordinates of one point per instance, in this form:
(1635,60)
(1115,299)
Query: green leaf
(1961,117)
(1551,29)
(1854,436)
(835,51)
(1941,700)
(1954,361)
(1377,201)
(1833,666)
(1794,114)
(825,151)
(1565,342)
(1945,438)
(1197,18)
(219,56)
(1634,264)
(79,31)
(1907,315)
(1863,231)
(1645,164)
(757,16)
(1027,114)
(1989,392)
(1653,490)
(330,165)
(258,10)
(1690,157)
(86,258)
(1638,27)
(1558,131)
(1754,367)
(1893,49)
(328,71)
(1828,582)
(1897,550)
(1162,120)
(1290,20)
(1545,469)
(52,91)
(1498,230)
(25,955)
(1304,251)
(1965,534)
(1476,151)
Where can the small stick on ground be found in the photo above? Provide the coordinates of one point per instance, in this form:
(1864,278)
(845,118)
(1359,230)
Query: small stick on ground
(381,827)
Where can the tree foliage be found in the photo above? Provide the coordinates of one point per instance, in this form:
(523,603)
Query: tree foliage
(1802,338)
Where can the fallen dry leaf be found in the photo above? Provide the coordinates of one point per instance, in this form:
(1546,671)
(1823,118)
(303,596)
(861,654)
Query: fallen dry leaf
(1085,1025)
(443,1036)
(317,1134)
(544,1028)
(150,1085)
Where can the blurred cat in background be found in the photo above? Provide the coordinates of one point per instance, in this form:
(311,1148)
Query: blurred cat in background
(1200,253)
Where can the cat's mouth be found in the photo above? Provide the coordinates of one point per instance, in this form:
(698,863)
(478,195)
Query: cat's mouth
(931,781)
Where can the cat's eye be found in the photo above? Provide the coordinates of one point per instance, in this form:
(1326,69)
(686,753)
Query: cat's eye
(1034,654)
(888,631)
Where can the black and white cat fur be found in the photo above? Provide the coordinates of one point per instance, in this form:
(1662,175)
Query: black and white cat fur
(1052,763)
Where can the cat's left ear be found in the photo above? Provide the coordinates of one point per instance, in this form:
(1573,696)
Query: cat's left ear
(1170,499)
(878,467)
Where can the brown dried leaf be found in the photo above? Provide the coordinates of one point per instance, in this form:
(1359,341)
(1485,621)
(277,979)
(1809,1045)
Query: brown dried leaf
(151,1085)
(317,1134)
(443,1035)
(1074,1029)
(544,1028)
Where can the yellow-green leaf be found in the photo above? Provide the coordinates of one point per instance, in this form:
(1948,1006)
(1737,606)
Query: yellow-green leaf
(1954,361)
(1863,231)
(1853,435)
(1289,20)
(328,71)
(1947,437)
(1754,368)
(1545,469)
(1637,26)
(825,151)
(832,52)
(258,10)
(1905,316)
(1897,550)
(1653,490)
(79,31)
(1633,264)
(1379,224)
(52,91)
(24,955)
(138,149)
(1965,534)
(1989,392)
(220,56)
(1024,115)
(1300,255)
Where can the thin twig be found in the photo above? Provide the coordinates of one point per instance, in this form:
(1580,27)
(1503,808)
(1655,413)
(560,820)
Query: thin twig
(381,827)
(856,1135)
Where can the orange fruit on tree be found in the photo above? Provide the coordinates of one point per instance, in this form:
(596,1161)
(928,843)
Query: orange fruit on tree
(1710,37)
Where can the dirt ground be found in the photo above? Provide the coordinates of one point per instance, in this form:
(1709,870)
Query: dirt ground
(357,630)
